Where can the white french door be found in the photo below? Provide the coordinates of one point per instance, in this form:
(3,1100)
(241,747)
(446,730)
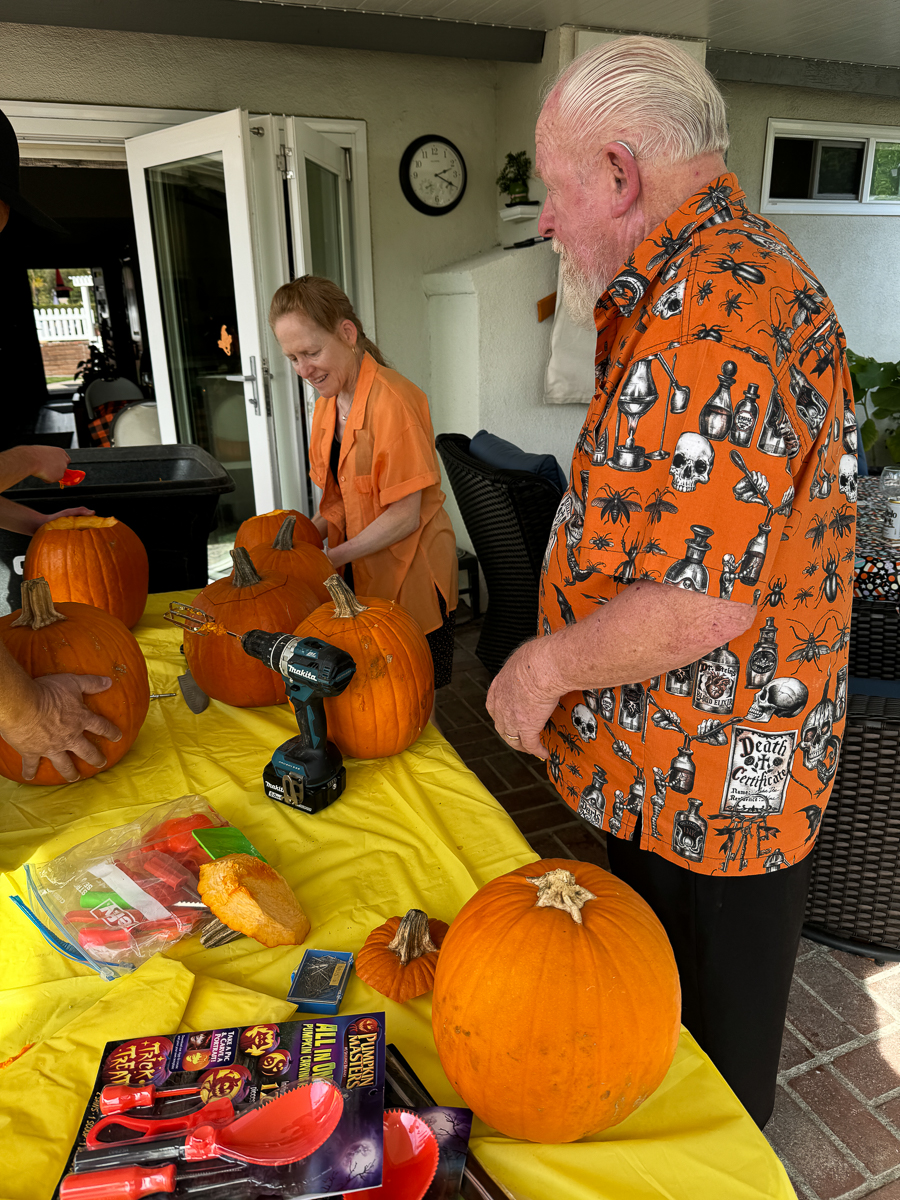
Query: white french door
(193,198)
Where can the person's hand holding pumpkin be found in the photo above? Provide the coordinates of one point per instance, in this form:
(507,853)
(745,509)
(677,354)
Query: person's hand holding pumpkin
(46,718)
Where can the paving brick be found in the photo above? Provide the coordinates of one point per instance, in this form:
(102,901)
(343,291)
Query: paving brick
(545,845)
(876,1147)
(793,1052)
(799,1140)
(453,712)
(486,746)
(514,769)
(549,817)
(820,1027)
(887,989)
(842,994)
(891,1109)
(488,776)
(890,1191)
(465,735)
(861,967)
(874,1068)
(520,800)
(582,844)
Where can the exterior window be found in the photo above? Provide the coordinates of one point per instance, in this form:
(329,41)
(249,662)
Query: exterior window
(814,167)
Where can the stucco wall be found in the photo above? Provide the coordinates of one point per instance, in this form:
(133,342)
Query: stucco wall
(857,258)
(400,96)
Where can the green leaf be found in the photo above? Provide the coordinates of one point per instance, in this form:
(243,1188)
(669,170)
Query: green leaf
(887,397)
(869,434)
(892,441)
(859,392)
(876,374)
(881,413)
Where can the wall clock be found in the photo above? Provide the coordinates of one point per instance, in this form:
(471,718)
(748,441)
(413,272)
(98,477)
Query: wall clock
(433,175)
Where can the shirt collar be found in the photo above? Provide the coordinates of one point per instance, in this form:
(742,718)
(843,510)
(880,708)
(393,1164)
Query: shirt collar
(718,201)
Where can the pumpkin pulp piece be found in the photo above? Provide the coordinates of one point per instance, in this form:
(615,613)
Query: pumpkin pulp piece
(79,639)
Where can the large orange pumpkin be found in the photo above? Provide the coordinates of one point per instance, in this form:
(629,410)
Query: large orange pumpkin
(557,1005)
(389,699)
(292,556)
(246,600)
(48,639)
(263,528)
(92,560)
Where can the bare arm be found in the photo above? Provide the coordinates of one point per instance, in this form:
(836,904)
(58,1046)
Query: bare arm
(45,718)
(398,521)
(46,462)
(648,629)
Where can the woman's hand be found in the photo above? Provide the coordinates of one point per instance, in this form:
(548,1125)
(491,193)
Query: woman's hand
(519,701)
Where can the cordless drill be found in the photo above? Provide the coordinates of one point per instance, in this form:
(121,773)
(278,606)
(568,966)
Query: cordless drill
(307,771)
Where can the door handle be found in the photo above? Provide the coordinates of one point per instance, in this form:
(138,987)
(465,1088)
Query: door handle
(251,379)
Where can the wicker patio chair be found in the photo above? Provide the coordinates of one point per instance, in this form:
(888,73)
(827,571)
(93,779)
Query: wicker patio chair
(875,640)
(854,895)
(507,515)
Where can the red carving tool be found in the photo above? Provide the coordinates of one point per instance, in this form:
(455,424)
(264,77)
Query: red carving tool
(70,477)
(410,1159)
(284,1129)
(231,1182)
(216,1112)
(117,1099)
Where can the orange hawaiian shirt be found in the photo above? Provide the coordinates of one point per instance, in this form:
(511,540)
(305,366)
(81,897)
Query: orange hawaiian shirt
(718,455)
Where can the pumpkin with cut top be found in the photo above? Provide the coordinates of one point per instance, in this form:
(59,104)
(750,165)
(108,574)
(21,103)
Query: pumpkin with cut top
(247,599)
(46,638)
(557,1005)
(387,703)
(92,560)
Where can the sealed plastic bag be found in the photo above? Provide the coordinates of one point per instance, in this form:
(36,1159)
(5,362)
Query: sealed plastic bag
(115,900)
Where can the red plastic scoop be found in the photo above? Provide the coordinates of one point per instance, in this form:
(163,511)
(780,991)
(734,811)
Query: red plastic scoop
(285,1129)
(70,477)
(115,1129)
(410,1159)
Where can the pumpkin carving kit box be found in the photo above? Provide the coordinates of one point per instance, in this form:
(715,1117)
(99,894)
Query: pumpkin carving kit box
(289,1110)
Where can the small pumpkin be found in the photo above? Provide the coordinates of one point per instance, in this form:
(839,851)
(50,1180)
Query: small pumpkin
(247,599)
(92,560)
(399,957)
(46,639)
(389,699)
(263,528)
(557,1005)
(292,556)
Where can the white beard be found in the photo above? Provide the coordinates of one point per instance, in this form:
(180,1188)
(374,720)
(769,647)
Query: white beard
(581,291)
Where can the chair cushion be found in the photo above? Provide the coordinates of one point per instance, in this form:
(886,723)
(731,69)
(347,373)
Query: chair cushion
(497,452)
(857,685)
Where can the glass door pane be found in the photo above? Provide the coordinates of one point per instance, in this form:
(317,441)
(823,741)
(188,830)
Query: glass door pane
(194,271)
(198,243)
(324,199)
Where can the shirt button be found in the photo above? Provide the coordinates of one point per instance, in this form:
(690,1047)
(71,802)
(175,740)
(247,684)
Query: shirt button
(343,478)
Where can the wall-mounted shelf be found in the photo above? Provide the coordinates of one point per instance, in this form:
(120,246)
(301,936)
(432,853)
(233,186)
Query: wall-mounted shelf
(521,212)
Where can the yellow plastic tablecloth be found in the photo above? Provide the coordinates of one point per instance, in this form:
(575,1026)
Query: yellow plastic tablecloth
(416,830)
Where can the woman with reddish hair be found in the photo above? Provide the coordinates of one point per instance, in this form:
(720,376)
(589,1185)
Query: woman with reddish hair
(372,454)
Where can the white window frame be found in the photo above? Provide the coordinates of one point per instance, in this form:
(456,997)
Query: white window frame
(830,131)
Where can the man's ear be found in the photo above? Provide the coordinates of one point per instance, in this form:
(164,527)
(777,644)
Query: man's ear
(624,176)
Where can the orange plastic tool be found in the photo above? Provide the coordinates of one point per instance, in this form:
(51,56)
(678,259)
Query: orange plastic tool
(410,1159)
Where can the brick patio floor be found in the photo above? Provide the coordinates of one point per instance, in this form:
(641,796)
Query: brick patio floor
(836,1125)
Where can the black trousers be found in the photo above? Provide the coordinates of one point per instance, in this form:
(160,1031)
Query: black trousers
(735,942)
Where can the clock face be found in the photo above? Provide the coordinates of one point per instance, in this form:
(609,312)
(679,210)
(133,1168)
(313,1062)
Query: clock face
(433,175)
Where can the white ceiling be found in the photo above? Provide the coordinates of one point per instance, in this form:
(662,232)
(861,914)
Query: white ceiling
(859,31)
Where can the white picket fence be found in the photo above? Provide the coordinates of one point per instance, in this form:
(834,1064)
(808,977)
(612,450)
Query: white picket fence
(64,324)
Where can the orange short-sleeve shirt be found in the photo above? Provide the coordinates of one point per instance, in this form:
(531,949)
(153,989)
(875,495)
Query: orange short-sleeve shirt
(718,455)
(387,453)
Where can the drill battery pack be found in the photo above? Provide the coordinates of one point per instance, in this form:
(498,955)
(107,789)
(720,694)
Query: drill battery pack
(285,777)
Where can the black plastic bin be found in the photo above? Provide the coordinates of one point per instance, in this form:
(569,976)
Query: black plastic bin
(166,494)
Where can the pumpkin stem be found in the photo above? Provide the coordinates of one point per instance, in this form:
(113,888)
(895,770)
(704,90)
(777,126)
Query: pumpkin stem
(284,538)
(558,889)
(413,938)
(345,603)
(37,605)
(244,573)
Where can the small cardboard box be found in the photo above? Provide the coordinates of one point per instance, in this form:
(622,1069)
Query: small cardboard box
(319,983)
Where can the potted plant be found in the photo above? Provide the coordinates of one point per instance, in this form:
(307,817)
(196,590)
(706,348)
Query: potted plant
(877,383)
(513,179)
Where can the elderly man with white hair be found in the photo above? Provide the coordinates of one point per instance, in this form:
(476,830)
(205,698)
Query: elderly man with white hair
(688,683)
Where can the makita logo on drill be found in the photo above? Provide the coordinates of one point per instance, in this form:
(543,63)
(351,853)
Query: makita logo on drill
(310,675)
